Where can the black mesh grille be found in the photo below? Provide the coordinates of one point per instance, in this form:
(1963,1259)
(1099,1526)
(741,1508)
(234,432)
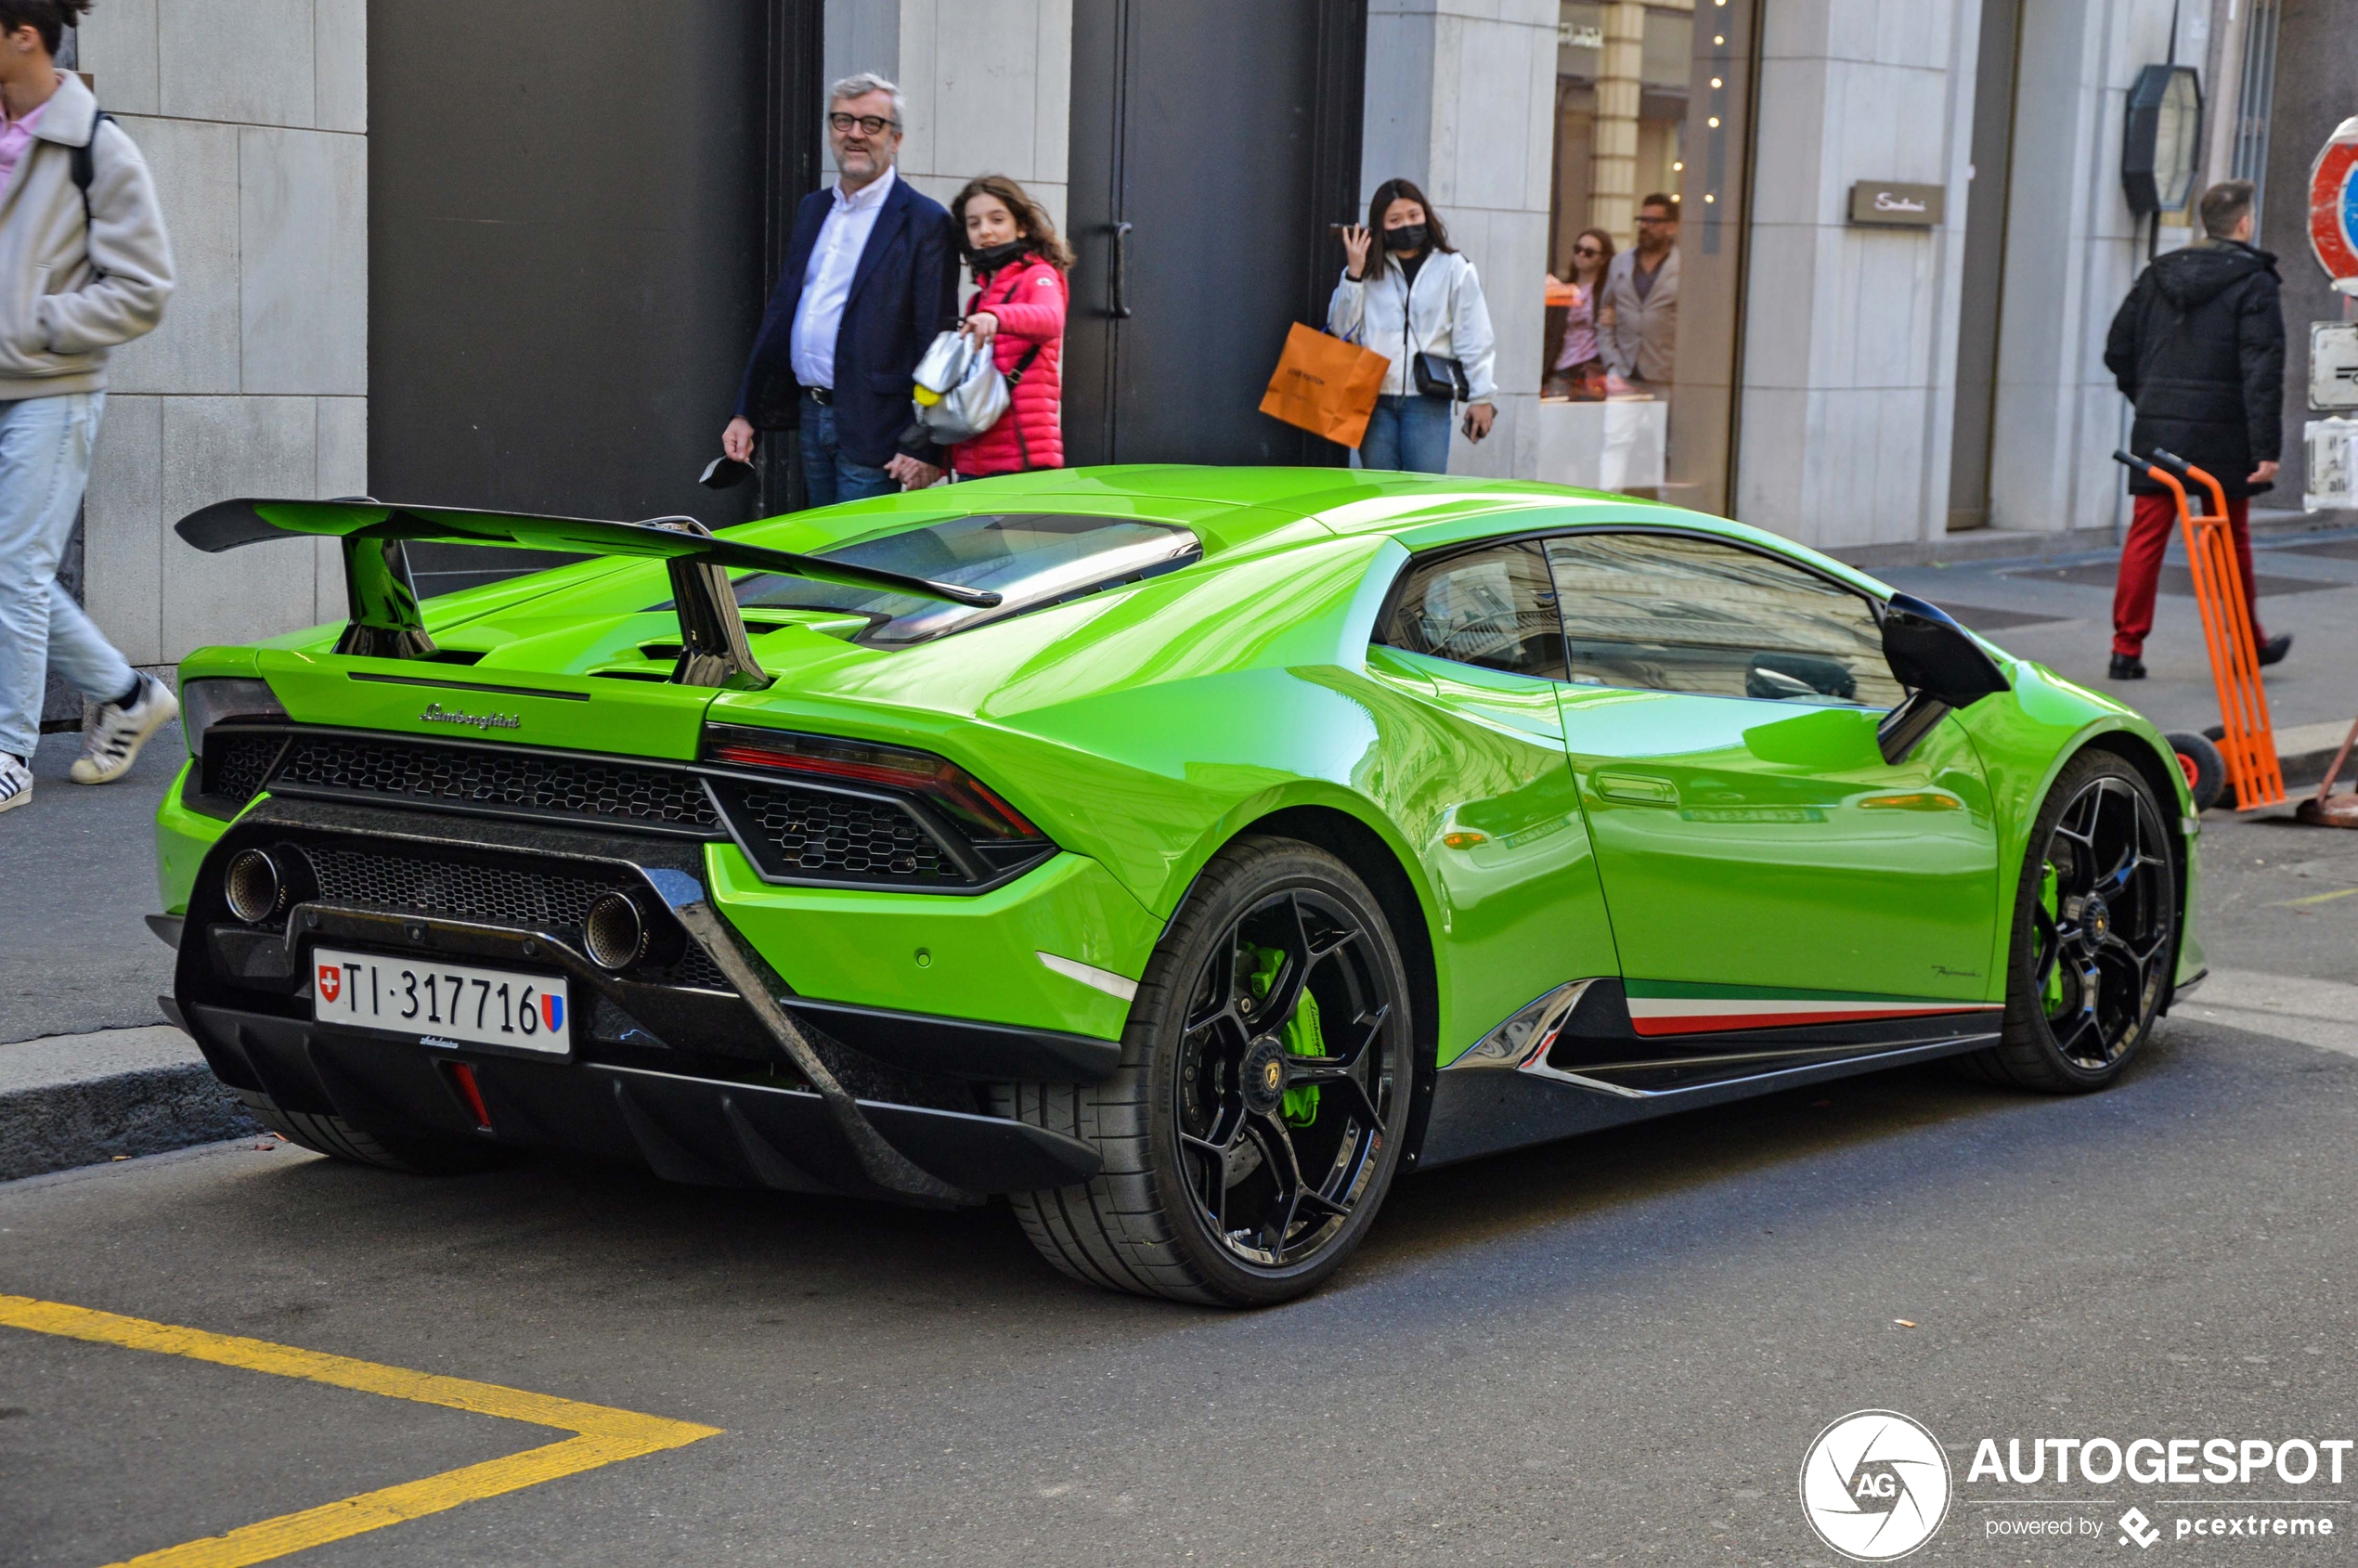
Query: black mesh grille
(521,780)
(235,764)
(491,895)
(811,832)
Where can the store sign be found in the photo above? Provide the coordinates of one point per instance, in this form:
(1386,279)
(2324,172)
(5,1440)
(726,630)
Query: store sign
(2333,202)
(1891,204)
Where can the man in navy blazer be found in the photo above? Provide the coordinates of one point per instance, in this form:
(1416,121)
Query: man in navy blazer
(872,277)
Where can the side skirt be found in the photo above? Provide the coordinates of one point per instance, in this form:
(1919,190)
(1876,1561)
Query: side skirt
(1478,1113)
(1575,1061)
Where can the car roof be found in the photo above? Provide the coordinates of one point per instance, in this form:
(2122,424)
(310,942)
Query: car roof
(1243,508)
(1254,503)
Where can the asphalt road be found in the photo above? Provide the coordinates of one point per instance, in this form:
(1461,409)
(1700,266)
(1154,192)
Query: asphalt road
(1609,1349)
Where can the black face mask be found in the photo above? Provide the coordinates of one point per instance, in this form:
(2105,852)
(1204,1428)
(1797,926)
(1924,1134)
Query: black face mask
(998,257)
(1406,240)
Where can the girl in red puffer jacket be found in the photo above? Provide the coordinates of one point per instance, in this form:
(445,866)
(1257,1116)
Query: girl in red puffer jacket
(1018,308)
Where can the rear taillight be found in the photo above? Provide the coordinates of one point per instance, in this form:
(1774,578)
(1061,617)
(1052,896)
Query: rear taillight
(967,800)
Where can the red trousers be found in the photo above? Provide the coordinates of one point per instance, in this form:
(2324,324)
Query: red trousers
(2149,529)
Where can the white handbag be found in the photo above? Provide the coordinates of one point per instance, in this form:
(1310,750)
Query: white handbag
(960,393)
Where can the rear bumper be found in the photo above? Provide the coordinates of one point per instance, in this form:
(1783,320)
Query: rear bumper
(704,1131)
(675,1065)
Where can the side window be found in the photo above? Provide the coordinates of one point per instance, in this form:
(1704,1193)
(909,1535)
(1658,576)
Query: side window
(1673,613)
(1495,607)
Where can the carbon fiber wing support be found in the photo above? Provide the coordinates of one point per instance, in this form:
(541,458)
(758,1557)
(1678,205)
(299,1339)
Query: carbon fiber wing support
(385,622)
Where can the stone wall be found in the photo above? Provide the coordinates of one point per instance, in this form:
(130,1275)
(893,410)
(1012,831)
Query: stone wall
(989,85)
(1850,332)
(1461,98)
(2072,249)
(254,115)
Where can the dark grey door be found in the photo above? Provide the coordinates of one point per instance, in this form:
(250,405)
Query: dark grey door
(1213,143)
(573,209)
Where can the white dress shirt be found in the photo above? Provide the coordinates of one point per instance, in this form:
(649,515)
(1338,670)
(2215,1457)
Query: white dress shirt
(826,282)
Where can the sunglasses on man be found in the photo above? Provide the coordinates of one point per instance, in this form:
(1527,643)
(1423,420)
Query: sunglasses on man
(870,124)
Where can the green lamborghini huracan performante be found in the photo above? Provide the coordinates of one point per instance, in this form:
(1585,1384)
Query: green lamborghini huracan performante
(1181,853)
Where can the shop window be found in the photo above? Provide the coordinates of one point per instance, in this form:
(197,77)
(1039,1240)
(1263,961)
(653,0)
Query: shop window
(1638,372)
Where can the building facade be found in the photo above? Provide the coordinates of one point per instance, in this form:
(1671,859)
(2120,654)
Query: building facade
(527,278)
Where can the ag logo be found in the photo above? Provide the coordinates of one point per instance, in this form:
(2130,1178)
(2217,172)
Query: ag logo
(1875,1486)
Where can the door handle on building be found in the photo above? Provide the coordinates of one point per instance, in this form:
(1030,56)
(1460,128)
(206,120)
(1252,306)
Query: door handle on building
(1634,789)
(1117,283)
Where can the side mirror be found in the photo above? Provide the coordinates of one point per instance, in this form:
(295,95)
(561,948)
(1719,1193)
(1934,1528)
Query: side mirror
(1939,663)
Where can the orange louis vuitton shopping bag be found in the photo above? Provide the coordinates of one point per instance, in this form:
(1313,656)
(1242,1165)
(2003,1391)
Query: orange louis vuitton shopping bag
(1325,385)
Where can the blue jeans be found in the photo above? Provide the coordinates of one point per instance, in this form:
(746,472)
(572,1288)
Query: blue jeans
(45,462)
(827,475)
(1410,434)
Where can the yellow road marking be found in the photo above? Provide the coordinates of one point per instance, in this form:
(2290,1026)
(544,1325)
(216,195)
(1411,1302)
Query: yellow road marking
(2318,898)
(602,1435)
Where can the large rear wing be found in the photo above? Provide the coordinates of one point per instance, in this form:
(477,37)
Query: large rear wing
(385,622)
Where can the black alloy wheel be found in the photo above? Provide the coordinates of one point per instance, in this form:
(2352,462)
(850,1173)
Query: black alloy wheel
(2095,931)
(1281,1114)
(1256,1122)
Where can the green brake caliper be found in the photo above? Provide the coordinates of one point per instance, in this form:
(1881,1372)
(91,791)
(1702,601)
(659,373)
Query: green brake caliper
(1301,1036)
(2052,998)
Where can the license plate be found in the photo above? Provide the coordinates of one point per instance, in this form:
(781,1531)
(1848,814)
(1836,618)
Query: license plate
(441,1004)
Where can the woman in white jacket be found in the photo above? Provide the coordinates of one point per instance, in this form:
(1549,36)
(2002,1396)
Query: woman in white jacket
(1414,294)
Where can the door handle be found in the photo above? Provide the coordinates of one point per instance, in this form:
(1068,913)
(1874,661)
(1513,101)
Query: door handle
(1118,282)
(1635,789)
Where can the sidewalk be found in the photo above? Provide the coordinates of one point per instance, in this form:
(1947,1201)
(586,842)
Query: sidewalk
(77,874)
(88,1069)
(2058,611)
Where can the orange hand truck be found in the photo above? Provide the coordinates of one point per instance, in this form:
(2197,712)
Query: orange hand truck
(2248,747)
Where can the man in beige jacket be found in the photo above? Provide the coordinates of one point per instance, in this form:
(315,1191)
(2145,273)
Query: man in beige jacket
(83,266)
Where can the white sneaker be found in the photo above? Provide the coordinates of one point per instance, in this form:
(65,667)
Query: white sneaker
(16,782)
(117,733)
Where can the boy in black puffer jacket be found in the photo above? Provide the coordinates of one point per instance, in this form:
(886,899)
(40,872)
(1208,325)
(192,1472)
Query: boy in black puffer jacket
(2198,346)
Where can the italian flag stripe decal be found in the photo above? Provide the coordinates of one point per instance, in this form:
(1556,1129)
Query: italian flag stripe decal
(1672,1007)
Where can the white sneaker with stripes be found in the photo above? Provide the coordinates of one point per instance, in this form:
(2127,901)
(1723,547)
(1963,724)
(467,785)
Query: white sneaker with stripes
(117,733)
(16,782)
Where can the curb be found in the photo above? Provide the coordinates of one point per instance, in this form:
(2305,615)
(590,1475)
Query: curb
(72,1100)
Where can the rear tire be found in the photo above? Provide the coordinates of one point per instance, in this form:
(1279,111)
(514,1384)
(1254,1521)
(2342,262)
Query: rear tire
(1246,1149)
(2086,965)
(338,1139)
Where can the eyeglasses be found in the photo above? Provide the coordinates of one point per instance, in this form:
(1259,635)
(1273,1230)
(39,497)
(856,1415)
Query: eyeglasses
(1666,217)
(1588,251)
(870,124)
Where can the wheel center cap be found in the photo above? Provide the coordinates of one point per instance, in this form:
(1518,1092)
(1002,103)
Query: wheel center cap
(2096,919)
(1262,1075)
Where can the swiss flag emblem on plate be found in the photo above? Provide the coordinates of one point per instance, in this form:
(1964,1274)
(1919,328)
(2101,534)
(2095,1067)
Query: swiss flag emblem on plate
(330,981)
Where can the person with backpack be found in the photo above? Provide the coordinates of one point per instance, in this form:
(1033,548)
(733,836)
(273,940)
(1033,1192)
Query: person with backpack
(1019,309)
(83,266)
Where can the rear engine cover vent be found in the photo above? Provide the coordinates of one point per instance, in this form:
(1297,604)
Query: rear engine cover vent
(541,783)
